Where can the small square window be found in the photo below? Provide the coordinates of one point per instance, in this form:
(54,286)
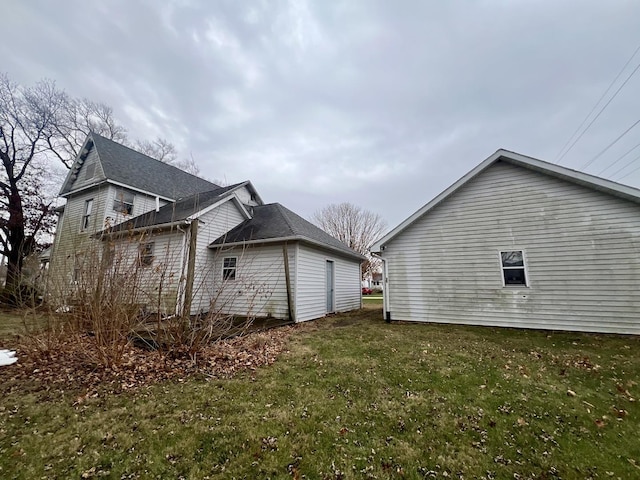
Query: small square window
(229,268)
(123,203)
(146,254)
(513,268)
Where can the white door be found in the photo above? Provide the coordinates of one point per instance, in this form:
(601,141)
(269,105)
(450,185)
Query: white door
(330,287)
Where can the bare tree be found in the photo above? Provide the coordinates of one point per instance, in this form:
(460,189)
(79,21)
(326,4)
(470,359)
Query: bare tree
(79,118)
(165,151)
(28,117)
(354,226)
(160,149)
(38,124)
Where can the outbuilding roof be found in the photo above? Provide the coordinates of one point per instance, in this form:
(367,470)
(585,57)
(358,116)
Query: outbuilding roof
(129,167)
(273,222)
(501,155)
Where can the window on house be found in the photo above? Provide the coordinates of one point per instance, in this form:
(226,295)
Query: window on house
(123,203)
(90,171)
(78,264)
(513,269)
(229,268)
(86,218)
(145,254)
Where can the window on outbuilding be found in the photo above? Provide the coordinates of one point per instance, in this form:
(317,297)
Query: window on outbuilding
(229,268)
(513,268)
(123,203)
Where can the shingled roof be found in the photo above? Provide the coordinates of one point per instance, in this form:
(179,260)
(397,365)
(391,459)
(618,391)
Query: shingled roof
(274,222)
(126,166)
(177,212)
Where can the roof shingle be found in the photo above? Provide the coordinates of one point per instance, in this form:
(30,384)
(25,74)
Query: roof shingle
(127,166)
(273,222)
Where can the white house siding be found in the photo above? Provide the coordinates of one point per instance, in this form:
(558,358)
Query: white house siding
(142,203)
(212,225)
(581,246)
(81,179)
(70,240)
(311,299)
(259,288)
(244,195)
(159,284)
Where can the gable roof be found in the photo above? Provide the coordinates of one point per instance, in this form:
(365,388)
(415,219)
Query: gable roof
(273,222)
(177,212)
(501,155)
(126,166)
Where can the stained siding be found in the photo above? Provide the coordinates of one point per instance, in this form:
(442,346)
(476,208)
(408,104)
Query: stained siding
(259,288)
(311,283)
(212,225)
(581,247)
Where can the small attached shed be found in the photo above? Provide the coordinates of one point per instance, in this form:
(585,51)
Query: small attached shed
(518,242)
(286,266)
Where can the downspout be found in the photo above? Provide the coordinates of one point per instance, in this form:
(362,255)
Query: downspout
(287,276)
(191,262)
(386,314)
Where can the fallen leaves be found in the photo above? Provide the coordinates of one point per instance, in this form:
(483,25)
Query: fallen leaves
(67,367)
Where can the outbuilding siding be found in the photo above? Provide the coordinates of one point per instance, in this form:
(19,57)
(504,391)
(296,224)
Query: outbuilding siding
(259,288)
(582,250)
(312,287)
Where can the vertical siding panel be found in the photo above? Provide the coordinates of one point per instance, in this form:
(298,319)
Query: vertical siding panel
(582,249)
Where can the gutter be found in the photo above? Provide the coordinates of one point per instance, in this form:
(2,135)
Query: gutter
(162,226)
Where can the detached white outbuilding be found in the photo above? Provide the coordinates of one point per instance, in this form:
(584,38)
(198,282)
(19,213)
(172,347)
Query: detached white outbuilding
(518,242)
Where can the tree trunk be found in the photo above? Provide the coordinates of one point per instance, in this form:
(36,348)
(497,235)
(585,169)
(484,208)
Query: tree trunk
(16,240)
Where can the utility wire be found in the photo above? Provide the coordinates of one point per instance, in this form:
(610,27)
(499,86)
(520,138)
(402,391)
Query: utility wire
(610,145)
(616,161)
(632,171)
(562,155)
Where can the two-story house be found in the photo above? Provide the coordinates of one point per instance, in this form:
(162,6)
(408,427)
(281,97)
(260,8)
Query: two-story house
(195,245)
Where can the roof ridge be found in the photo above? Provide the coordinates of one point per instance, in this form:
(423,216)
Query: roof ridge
(285,216)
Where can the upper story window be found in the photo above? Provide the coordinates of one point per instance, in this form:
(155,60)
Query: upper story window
(123,203)
(229,268)
(86,218)
(513,268)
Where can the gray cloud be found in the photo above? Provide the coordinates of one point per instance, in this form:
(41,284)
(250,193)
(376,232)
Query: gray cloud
(383,104)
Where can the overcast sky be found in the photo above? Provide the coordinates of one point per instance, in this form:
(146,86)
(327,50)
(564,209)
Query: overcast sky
(380,103)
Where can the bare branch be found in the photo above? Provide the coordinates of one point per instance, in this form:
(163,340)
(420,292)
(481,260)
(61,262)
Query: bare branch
(355,227)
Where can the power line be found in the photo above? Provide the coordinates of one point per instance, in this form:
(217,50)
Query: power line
(632,171)
(562,155)
(610,145)
(616,161)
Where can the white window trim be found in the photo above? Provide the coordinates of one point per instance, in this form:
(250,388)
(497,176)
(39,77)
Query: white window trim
(122,202)
(234,268)
(527,279)
(86,216)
